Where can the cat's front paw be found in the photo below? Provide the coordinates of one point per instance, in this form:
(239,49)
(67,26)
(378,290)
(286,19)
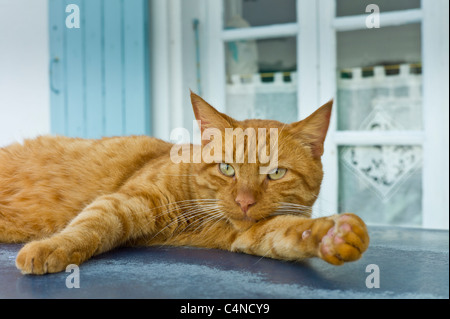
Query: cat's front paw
(45,256)
(345,241)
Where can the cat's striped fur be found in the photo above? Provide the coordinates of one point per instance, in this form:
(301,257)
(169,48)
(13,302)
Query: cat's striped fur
(70,199)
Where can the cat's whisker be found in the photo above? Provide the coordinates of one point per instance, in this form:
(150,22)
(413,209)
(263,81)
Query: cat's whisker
(218,219)
(290,213)
(315,208)
(223,215)
(211,215)
(179,205)
(292,209)
(288,209)
(295,208)
(323,212)
(196,212)
(185,205)
(294,204)
(315,213)
(200,223)
(263,256)
(217,215)
(184,208)
(176,220)
(187,201)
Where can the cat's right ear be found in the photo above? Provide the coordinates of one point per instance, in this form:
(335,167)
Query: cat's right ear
(208,116)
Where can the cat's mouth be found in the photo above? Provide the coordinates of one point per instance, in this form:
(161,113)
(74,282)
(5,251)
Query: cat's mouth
(239,219)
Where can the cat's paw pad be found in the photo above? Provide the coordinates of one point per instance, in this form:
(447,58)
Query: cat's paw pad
(345,241)
(41,257)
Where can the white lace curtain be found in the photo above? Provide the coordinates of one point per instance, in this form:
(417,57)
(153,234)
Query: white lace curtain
(250,97)
(382,183)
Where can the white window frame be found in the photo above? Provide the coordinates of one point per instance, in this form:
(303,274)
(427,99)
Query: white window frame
(306,36)
(166,67)
(433,138)
(316,29)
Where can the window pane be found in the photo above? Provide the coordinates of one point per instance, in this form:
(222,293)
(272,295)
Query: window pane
(245,13)
(379,79)
(352,7)
(382,184)
(262,79)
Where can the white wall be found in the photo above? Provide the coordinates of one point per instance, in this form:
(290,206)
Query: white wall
(24,56)
(173,63)
(166,67)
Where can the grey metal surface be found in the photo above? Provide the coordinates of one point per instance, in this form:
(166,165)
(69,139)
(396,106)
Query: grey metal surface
(413,263)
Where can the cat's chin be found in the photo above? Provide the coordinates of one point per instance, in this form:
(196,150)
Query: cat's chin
(242,224)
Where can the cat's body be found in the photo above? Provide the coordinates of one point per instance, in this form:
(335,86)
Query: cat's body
(75,198)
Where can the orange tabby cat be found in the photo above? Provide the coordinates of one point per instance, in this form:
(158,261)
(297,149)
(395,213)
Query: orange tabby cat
(71,199)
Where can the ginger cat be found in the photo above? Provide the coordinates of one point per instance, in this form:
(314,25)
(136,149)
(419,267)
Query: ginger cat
(69,199)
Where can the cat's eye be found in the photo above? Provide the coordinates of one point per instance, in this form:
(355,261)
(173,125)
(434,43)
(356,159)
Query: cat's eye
(226,169)
(277,173)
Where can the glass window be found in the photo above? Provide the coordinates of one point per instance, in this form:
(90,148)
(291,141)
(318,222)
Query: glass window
(245,13)
(382,184)
(262,79)
(380,82)
(380,89)
(352,7)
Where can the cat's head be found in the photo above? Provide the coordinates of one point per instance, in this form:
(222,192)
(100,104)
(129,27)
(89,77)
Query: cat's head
(282,175)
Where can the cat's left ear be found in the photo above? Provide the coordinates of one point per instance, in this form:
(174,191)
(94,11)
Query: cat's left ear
(209,116)
(313,129)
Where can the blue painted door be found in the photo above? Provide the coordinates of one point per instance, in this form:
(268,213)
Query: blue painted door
(99,72)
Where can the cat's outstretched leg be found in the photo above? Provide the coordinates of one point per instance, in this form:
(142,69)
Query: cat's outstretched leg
(336,239)
(108,222)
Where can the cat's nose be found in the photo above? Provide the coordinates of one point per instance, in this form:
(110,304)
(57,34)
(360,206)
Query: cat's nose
(245,200)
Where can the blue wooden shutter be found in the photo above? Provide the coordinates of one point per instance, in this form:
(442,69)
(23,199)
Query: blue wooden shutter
(99,73)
